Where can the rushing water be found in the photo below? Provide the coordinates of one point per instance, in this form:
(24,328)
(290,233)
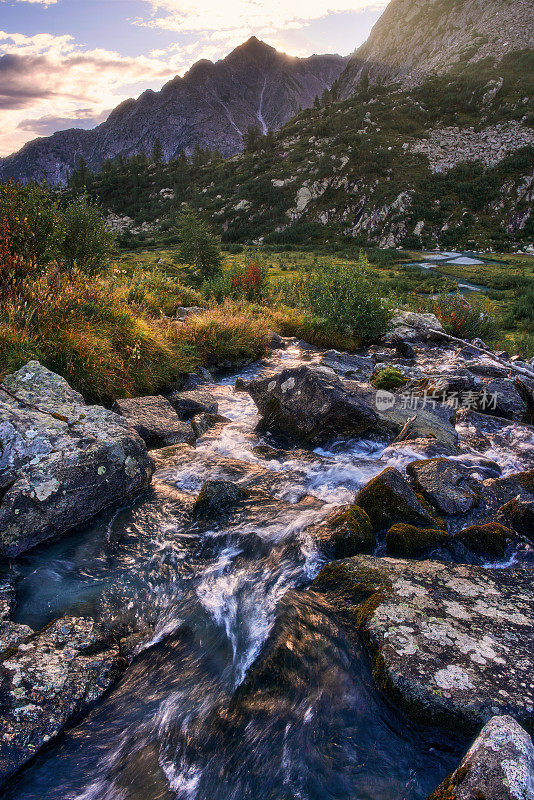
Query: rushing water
(209,709)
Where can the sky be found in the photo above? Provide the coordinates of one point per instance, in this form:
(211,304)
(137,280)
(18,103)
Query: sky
(67,63)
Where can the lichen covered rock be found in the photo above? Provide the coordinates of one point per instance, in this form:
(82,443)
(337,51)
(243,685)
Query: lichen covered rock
(47,681)
(61,461)
(156,421)
(499,765)
(451,643)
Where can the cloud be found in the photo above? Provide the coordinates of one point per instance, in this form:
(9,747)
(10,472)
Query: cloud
(45,126)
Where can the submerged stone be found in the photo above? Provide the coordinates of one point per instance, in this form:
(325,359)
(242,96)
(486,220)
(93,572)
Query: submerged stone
(218,497)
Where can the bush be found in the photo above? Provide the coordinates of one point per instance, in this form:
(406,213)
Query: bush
(157,294)
(247,281)
(29,218)
(342,293)
(85,242)
(465,317)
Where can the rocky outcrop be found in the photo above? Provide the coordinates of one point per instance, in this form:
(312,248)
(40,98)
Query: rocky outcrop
(450,643)
(210,107)
(61,460)
(47,681)
(499,765)
(156,421)
(414,38)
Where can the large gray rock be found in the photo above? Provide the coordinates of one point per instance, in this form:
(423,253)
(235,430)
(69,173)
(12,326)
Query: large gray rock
(47,681)
(191,402)
(502,399)
(312,404)
(450,643)
(348,365)
(156,421)
(499,765)
(408,326)
(61,461)
(448,486)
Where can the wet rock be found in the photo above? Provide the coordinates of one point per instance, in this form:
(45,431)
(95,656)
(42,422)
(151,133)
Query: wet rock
(241,385)
(276,342)
(427,448)
(389,498)
(345,533)
(156,421)
(499,765)
(448,486)
(189,403)
(61,461)
(310,403)
(47,681)
(487,368)
(451,643)
(11,633)
(408,541)
(268,452)
(218,497)
(348,365)
(519,514)
(407,326)
(490,540)
(204,422)
(502,399)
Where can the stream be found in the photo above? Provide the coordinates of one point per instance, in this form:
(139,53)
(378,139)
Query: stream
(186,721)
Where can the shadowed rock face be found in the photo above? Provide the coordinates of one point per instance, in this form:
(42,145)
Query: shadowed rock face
(498,766)
(61,461)
(210,107)
(452,643)
(413,38)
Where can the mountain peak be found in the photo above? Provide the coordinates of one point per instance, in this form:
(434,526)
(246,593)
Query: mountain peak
(252,48)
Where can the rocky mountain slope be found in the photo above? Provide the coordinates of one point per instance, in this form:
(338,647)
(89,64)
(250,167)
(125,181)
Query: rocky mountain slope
(414,38)
(210,107)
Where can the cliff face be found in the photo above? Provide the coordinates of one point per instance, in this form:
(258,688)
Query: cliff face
(210,107)
(414,38)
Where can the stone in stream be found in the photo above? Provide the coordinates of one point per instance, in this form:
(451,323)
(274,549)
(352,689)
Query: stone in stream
(409,541)
(501,398)
(202,423)
(313,404)
(408,326)
(61,460)
(389,499)
(452,644)
(345,533)
(348,365)
(310,403)
(446,485)
(11,633)
(219,497)
(156,421)
(499,765)
(191,402)
(490,540)
(47,681)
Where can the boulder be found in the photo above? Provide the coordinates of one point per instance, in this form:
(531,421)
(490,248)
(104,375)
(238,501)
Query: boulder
(490,540)
(451,643)
(49,680)
(310,403)
(61,461)
(156,421)
(11,633)
(202,423)
(184,312)
(407,326)
(499,765)
(408,541)
(188,404)
(345,533)
(389,499)
(519,514)
(447,485)
(500,398)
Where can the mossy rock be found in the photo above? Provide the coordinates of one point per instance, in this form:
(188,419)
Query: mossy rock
(348,532)
(408,541)
(388,378)
(490,540)
(218,497)
(389,499)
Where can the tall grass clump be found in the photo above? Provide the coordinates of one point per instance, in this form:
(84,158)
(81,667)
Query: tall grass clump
(240,281)
(464,317)
(341,293)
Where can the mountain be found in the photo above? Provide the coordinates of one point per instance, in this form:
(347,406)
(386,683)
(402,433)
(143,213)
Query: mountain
(414,38)
(442,157)
(211,107)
